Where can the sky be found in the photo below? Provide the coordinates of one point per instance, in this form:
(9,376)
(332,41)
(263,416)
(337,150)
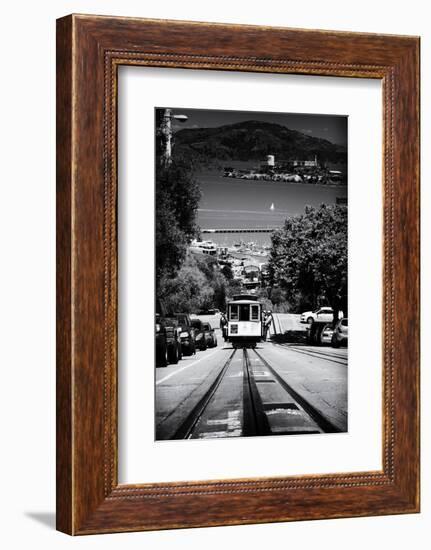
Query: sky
(330,127)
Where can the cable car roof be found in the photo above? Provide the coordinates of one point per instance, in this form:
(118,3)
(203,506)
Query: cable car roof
(248,297)
(243,302)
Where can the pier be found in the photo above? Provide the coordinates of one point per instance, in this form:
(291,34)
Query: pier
(241,230)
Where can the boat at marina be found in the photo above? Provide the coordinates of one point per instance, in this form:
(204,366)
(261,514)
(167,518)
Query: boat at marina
(206,248)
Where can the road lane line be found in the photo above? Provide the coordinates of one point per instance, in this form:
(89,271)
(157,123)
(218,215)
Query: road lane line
(185,367)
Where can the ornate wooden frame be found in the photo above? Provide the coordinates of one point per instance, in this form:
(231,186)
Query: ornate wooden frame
(89,51)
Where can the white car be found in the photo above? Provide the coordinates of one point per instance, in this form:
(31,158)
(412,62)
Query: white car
(327,334)
(323,314)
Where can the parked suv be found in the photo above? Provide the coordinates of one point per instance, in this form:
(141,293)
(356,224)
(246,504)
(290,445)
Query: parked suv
(161,343)
(168,341)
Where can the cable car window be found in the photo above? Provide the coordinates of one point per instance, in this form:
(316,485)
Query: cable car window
(244,312)
(254,313)
(234,313)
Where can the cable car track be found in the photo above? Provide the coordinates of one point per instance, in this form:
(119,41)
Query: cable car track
(264,404)
(325,426)
(318,354)
(185,431)
(252,398)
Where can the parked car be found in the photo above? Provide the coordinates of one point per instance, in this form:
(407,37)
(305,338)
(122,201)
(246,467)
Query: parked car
(212,311)
(161,344)
(168,341)
(187,334)
(322,314)
(340,337)
(209,335)
(326,334)
(173,335)
(200,340)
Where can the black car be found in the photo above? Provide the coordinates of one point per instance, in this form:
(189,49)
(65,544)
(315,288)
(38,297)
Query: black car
(200,340)
(209,335)
(162,358)
(187,335)
(168,340)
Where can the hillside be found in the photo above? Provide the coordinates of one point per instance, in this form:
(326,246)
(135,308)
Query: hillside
(253,140)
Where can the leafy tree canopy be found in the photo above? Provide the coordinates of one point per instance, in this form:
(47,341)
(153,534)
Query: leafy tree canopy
(309,255)
(197,285)
(177,199)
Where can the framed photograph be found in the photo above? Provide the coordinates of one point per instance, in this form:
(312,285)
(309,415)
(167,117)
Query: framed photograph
(250,241)
(237,274)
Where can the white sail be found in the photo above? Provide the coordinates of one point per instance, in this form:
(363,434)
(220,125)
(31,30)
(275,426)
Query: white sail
(272,206)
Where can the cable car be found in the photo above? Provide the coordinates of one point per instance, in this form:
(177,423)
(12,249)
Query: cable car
(245,321)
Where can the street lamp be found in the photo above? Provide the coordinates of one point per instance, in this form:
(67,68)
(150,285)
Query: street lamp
(166,129)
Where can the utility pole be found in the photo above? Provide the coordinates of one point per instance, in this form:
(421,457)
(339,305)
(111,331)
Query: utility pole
(165,130)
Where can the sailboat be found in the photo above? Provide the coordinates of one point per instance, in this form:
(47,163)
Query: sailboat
(272,207)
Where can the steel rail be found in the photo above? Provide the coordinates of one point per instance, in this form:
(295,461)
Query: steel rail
(317,355)
(185,431)
(322,422)
(255,420)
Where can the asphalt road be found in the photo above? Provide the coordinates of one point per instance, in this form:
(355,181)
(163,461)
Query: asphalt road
(283,388)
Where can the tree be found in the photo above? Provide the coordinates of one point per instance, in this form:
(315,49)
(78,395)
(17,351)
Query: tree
(197,285)
(276,296)
(187,291)
(227,272)
(309,256)
(234,287)
(177,200)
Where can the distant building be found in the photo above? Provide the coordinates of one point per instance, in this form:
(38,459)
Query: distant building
(304,163)
(271,164)
(222,250)
(270,160)
(251,276)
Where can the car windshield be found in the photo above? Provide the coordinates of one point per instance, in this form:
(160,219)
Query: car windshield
(196,324)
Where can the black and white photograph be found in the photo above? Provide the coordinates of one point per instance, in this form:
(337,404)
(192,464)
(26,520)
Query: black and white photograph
(251,271)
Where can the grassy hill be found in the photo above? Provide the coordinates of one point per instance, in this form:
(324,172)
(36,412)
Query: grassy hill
(253,140)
